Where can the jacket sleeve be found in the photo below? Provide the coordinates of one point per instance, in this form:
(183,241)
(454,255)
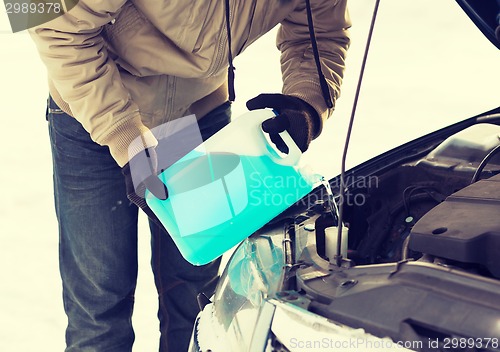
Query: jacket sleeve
(300,77)
(78,65)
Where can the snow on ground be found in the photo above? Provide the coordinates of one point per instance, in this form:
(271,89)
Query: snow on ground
(428,67)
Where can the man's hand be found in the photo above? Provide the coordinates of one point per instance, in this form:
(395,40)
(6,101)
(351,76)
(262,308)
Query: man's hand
(294,115)
(153,152)
(140,174)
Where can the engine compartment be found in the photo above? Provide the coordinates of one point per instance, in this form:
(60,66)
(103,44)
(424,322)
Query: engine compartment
(464,228)
(423,259)
(386,211)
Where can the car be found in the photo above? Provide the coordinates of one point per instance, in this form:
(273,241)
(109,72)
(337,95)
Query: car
(401,252)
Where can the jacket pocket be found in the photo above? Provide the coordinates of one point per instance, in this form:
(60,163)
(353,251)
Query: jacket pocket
(122,36)
(127,21)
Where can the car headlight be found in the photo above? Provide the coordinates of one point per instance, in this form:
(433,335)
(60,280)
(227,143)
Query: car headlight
(240,317)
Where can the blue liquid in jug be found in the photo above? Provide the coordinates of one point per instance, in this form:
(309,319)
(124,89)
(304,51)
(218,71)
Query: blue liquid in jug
(218,199)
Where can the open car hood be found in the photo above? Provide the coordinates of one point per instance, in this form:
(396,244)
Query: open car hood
(486,16)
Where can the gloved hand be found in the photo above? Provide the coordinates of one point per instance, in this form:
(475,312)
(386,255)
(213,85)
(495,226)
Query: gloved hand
(155,151)
(141,173)
(294,115)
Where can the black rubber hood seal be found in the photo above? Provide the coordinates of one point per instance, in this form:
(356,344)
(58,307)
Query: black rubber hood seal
(486,16)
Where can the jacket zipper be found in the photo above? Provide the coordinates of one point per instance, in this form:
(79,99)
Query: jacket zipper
(219,58)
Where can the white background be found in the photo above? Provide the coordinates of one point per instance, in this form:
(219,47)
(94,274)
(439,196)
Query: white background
(428,67)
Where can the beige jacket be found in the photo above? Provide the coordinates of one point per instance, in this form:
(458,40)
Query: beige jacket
(120,67)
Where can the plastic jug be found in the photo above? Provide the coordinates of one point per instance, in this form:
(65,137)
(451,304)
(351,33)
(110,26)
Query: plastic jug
(229,187)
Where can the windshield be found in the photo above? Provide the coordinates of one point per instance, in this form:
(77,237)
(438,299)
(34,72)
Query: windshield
(428,67)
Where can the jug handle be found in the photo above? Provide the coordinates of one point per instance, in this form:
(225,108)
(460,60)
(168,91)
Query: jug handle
(294,153)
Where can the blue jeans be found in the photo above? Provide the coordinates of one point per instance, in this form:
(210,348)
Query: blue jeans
(98,246)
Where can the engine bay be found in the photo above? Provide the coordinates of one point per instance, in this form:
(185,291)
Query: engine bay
(423,254)
(429,207)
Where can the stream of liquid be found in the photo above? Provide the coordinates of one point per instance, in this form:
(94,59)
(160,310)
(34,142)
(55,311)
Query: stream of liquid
(334,211)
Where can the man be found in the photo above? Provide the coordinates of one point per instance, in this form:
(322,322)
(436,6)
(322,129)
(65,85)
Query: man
(119,68)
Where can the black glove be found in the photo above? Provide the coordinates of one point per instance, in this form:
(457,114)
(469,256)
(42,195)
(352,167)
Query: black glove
(294,115)
(141,172)
(145,175)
